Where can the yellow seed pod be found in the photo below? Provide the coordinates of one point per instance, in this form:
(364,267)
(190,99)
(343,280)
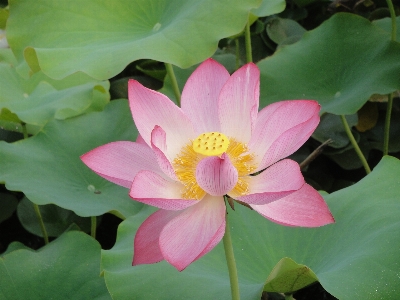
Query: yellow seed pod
(211,143)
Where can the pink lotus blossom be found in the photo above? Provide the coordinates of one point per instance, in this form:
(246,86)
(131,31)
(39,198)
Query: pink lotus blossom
(186,159)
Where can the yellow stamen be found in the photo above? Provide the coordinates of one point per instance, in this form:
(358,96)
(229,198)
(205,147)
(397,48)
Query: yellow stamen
(242,160)
(185,169)
(186,162)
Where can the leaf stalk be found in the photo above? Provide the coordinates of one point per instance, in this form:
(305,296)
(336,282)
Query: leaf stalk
(355,145)
(230,260)
(175,87)
(247,38)
(390,96)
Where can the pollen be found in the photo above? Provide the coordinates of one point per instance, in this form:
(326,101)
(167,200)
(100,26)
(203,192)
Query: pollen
(244,163)
(241,158)
(185,169)
(211,144)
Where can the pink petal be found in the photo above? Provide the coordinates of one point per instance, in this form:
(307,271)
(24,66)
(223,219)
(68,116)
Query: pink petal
(155,190)
(194,232)
(150,108)
(146,244)
(281,129)
(305,208)
(200,96)
(158,143)
(217,176)
(119,162)
(140,140)
(238,103)
(214,241)
(277,181)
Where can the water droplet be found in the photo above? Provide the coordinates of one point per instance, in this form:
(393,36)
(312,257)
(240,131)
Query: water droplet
(157,27)
(91,188)
(25,95)
(338,94)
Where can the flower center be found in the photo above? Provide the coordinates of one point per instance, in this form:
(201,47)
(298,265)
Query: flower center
(211,144)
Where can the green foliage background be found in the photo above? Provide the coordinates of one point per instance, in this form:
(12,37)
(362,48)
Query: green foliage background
(68,59)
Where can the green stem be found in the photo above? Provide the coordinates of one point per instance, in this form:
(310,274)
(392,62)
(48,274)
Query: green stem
(314,154)
(230,260)
(355,145)
(393,17)
(387,125)
(289,297)
(247,38)
(24,130)
(237,54)
(39,216)
(93,226)
(390,96)
(35,206)
(175,87)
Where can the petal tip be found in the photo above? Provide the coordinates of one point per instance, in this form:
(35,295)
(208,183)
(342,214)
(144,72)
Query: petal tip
(132,81)
(303,208)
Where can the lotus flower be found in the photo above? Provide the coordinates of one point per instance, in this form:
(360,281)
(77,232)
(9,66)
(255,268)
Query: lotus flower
(186,159)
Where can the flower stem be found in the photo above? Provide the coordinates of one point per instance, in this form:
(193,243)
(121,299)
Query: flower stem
(387,125)
(314,154)
(42,227)
(237,65)
(230,260)
(289,297)
(355,145)
(247,38)
(93,225)
(175,87)
(390,96)
(35,206)
(393,17)
(24,131)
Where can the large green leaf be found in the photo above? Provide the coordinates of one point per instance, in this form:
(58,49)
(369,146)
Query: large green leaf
(226,59)
(375,135)
(386,24)
(6,55)
(341,64)
(355,258)
(47,168)
(269,7)
(161,280)
(15,246)
(4,13)
(38,99)
(347,158)
(288,277)
(8,204)
(67,268)
(284,31)
(331,127)
(100,37)
(56,220)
